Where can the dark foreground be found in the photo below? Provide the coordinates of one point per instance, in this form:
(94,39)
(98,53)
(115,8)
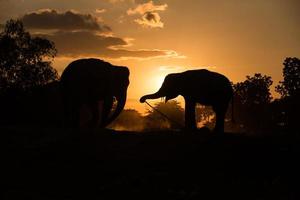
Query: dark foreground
(56,164)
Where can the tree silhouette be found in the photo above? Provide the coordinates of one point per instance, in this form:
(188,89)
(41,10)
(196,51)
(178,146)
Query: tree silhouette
(25,61)
(252,98)
(205,116)
(254,90)
(172,109)
(288,106)
(290,86)
(129,120)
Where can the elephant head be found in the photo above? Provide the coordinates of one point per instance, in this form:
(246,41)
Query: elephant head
(170,89)
(89,87)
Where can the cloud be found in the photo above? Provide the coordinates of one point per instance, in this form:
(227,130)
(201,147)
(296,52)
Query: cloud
(171,68)
(146,7)
(69,20)
(120,1)
(149,14)
(115,1)
(90,44)
(150,19)
(83,35)
(99,11)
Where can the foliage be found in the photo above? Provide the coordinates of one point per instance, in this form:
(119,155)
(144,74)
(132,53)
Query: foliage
(25,61)
(171,109)
(290,86)
(288,107)
(205,116)
(251,97)
(254,90)
(129,120)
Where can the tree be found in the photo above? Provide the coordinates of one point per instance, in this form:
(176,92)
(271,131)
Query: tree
(290,86)
(129,120)
(172,109)
(252,98)
(25,61)
(254,90)
(289,89)
(205,116)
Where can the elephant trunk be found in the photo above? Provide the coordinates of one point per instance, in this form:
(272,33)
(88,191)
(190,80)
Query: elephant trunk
(120,105)
(151,96)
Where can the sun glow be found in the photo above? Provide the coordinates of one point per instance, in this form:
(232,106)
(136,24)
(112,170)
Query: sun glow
(157,82)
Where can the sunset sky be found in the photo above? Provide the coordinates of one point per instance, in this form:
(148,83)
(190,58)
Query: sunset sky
(155,38)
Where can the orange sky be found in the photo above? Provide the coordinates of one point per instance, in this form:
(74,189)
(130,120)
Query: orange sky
(154,38)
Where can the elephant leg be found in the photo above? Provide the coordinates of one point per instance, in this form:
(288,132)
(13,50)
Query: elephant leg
(72,115)
(85,116)
(220,118)
(190,120)
(70,112)
(75,116)
(90,115)
(97,109)
(107,106)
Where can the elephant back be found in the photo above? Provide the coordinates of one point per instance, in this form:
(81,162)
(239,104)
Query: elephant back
(211,86)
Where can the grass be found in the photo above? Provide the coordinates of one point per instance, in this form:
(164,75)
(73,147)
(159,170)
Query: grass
(65,164)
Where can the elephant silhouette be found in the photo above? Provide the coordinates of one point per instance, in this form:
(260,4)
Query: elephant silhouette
(197,86)
(89,88)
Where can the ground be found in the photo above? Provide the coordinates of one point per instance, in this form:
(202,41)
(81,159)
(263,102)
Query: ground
(65,164)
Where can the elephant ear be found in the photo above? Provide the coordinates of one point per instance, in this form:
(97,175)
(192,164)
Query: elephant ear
(171,85)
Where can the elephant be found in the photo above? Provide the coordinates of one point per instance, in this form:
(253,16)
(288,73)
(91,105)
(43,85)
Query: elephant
(89,88)
(197,86)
